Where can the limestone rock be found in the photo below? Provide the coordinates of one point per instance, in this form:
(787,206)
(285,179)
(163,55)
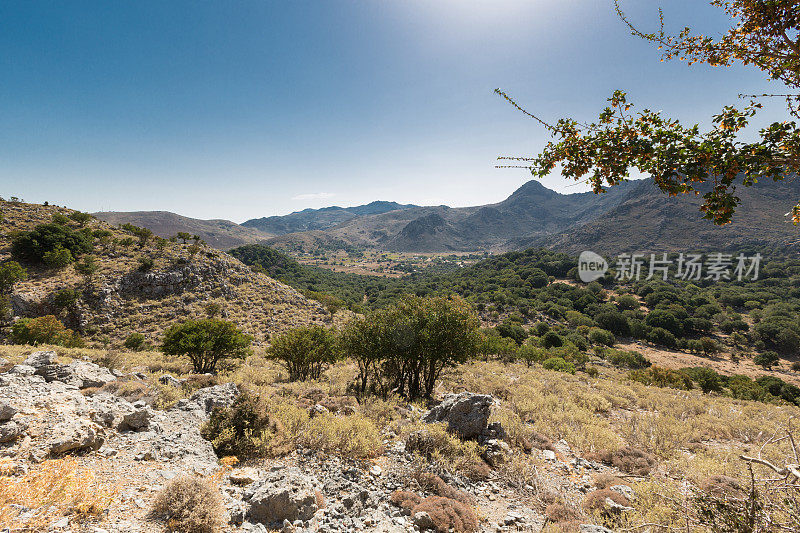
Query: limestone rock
(40,359)
(73,435)
(285,493)
(466,414)
(217,396)
(6,412)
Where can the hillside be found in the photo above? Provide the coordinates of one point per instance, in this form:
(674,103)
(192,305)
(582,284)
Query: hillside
(219,234)
(320,219)
(649,221)
(145,287)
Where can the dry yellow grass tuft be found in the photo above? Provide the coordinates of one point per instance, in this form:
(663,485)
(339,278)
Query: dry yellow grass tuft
(55,488)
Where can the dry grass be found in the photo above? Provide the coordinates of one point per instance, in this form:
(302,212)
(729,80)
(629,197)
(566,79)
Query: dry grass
(52,489)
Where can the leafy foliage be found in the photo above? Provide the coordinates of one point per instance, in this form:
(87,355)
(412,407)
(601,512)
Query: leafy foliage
(683,159)
(44,330)
(305,351)
(51,244)
(206,342)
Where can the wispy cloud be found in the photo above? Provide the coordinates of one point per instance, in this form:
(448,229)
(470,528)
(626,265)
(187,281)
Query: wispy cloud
(314,196)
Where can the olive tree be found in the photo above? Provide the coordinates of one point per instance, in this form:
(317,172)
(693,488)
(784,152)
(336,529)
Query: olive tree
(206,342)
(305,351)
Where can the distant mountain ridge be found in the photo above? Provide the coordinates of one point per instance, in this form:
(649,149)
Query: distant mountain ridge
(631,216)
(220,234)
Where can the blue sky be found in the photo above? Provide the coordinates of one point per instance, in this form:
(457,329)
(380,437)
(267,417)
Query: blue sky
(242,109)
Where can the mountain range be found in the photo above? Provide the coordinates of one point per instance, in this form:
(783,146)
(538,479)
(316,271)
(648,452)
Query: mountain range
(632,216)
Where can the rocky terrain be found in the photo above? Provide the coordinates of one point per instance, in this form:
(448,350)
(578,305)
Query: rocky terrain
(53,412)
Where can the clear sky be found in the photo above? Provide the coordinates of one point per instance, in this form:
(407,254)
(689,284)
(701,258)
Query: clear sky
(243,109)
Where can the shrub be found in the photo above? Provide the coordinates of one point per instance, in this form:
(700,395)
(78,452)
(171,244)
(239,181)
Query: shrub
(65,298)
(766,359)
(405,500)
(709,345)
(560,512)
(627,359)
(592,371)
(10,273)
(512,331)
(305,351)
(80,218)
(448,515)
(662,377)
(44,330)
(551,339)
(58,257)
(541,328)
(191,505)
(443,449)
(51,490)
(628,459)
(405,347)
(662,337)
(145,264)
(627,302)
(240,429)
(206,342)
(433,483)
(661,318)
(596,500)
(51,244)
(613,321)
(579,341)
(705,378)
(134,341)
(639,330)
(601,337)
(558,364)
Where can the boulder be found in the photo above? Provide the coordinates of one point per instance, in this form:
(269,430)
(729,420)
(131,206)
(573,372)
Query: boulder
(11,430)
(593,528)
(466,414)
(423,521)
(73,435)
(81,374)
(285,493)
(217,396)
(6,412)
(139,419)
(495,452)
(40,359)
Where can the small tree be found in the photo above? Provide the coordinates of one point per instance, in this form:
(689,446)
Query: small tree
(206,342)
(184,236)
(305,351)
(87,267)
(766,359)
(10,273)
(80,218)
(44,330)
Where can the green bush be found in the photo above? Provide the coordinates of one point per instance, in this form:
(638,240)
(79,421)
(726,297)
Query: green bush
(66,298)
(206,342)
(662,377)
(601,337)
(134,341)
(305,351)
(766,359)
(512,331)
(662,337)
(627,359)
(551,339)
(405,347)
(558,364)
(51,244)
(707,379)
(615,322)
